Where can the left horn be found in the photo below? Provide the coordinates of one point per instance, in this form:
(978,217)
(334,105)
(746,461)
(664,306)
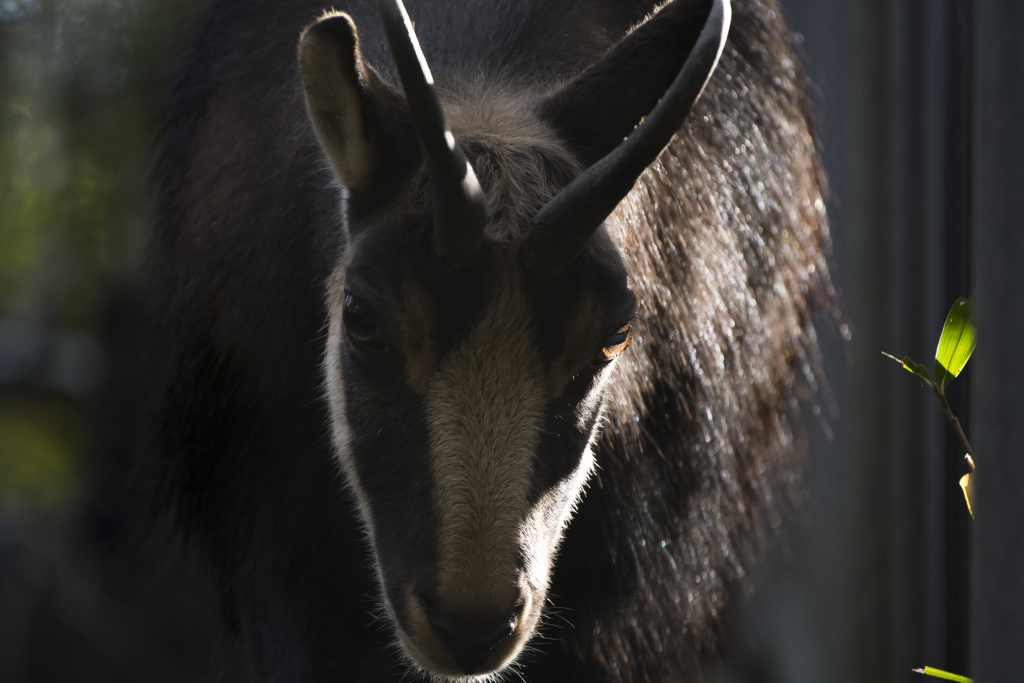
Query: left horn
(562,227)
(460,207)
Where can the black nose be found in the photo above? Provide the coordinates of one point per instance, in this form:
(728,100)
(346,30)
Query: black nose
(469,640)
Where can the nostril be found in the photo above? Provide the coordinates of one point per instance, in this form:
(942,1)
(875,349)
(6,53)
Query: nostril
(470,640)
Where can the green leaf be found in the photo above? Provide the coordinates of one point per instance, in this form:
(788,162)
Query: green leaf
(956,343)
(916,368)
(939,673)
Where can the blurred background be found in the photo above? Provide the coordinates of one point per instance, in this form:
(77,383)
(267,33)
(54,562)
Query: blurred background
(917,103)
(81,86)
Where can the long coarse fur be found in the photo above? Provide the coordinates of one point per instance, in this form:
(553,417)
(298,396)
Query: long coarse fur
(724,234)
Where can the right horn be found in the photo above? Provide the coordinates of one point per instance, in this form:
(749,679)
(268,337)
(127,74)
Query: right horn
(562,227)
(460,207)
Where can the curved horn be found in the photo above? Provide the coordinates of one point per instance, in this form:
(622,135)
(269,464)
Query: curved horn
(563,226)
(460,207)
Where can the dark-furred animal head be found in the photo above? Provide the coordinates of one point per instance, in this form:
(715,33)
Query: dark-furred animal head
(478,309)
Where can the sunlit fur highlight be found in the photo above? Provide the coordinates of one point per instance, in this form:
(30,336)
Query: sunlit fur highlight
(519,159)
(334,105)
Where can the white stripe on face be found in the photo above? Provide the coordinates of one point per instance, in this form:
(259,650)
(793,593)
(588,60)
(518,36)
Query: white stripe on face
(336,393)
(484,411)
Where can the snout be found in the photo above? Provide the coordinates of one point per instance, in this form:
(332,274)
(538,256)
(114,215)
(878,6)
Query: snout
(470,641)
(463,639)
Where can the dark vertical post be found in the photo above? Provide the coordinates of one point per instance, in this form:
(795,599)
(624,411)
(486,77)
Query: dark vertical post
(997,388)
(869,220)
(897,157)
(955,224)
(908,240)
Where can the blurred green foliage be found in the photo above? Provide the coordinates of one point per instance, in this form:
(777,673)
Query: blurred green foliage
(81,89)
(81,84)
(37,469)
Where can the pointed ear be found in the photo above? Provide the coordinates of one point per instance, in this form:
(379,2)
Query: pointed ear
(596,110)
(347,102)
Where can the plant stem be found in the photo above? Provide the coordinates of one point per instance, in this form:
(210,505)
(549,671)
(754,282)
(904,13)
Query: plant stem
(937,390)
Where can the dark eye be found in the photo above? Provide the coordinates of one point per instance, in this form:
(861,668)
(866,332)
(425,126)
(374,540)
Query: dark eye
(616,344)
(361,324)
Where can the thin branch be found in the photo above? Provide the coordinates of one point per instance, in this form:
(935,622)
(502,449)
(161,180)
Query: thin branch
(937,390)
